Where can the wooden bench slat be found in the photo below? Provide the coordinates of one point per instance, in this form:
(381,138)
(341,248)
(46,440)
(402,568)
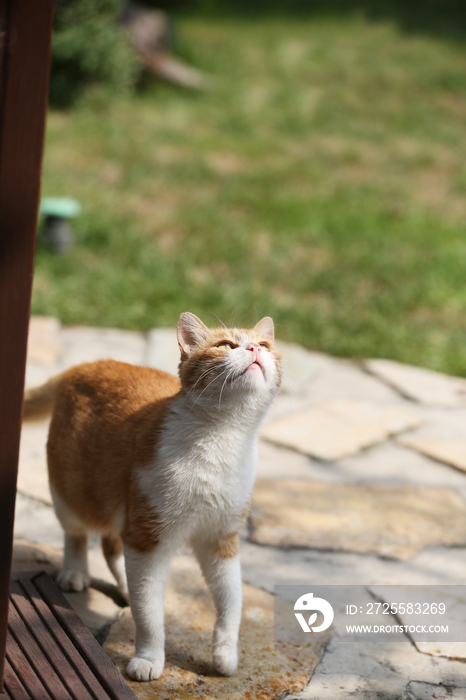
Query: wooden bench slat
(34,654)
(51,655)
(13,686)
(47,643)
(24,670)
(95,657)
(65,643)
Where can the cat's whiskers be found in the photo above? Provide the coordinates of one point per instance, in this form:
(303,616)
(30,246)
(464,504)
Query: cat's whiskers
(286,383)
(213,380)
(218,319)
(223,386)
(199,379)
(287,371)
(288,387)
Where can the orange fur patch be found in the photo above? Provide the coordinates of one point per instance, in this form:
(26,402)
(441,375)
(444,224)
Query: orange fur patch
(104,429)
(111,546)
(227,547)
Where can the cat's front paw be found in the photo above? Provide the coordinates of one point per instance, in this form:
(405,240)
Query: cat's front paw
(143,670)
(73,580)
(225,660)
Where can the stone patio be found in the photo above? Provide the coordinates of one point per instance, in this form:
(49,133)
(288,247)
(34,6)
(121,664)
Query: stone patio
(361,447)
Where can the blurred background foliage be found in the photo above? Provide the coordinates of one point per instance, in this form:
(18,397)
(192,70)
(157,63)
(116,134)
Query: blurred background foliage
(436,16)
(322,181)
(89,49)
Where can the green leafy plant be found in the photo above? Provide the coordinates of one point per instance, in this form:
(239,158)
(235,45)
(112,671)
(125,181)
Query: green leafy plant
(90,49)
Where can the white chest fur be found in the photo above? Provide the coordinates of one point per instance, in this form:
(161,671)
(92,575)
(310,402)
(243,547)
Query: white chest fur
(204,468)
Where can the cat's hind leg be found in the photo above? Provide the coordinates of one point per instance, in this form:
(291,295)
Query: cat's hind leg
(75,573)
(112,548)
(220,565)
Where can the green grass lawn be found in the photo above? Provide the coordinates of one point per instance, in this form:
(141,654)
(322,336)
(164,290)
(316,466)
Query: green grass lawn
(323,182)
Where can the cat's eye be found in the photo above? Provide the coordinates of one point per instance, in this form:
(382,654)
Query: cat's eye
(265,346)
(226,344)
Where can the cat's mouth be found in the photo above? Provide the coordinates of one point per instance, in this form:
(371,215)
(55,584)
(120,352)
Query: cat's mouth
(253,367)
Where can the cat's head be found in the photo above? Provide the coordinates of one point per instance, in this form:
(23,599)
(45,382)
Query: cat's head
(228,363)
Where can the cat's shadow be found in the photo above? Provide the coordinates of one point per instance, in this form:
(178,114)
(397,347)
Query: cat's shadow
(110,590)
(201,667)
(193,654)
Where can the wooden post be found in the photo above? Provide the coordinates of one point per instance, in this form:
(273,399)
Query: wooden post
(25,39)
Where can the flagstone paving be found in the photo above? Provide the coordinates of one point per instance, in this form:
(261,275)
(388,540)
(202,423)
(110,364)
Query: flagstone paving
(384,519)
(423,385)
(383,671)
(449,451)
(341,427)
(414,464)
(455,610)
(442,437)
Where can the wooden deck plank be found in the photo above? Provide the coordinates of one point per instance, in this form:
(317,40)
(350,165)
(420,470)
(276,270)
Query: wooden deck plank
(34,654)
(47,643)
(51,655)
(24,670)
(63,640)
(109,676)
(13,687)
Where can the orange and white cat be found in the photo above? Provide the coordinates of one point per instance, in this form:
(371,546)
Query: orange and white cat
(151,462)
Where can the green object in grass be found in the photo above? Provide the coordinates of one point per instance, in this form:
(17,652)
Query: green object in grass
(61,207)
(57,229)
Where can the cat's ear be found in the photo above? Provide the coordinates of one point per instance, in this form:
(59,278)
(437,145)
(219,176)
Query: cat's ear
(265,327)
(190,332)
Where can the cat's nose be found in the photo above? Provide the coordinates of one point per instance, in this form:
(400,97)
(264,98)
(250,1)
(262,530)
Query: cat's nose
(255,348)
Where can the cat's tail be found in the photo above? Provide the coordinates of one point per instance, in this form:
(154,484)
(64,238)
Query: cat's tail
(39,401)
